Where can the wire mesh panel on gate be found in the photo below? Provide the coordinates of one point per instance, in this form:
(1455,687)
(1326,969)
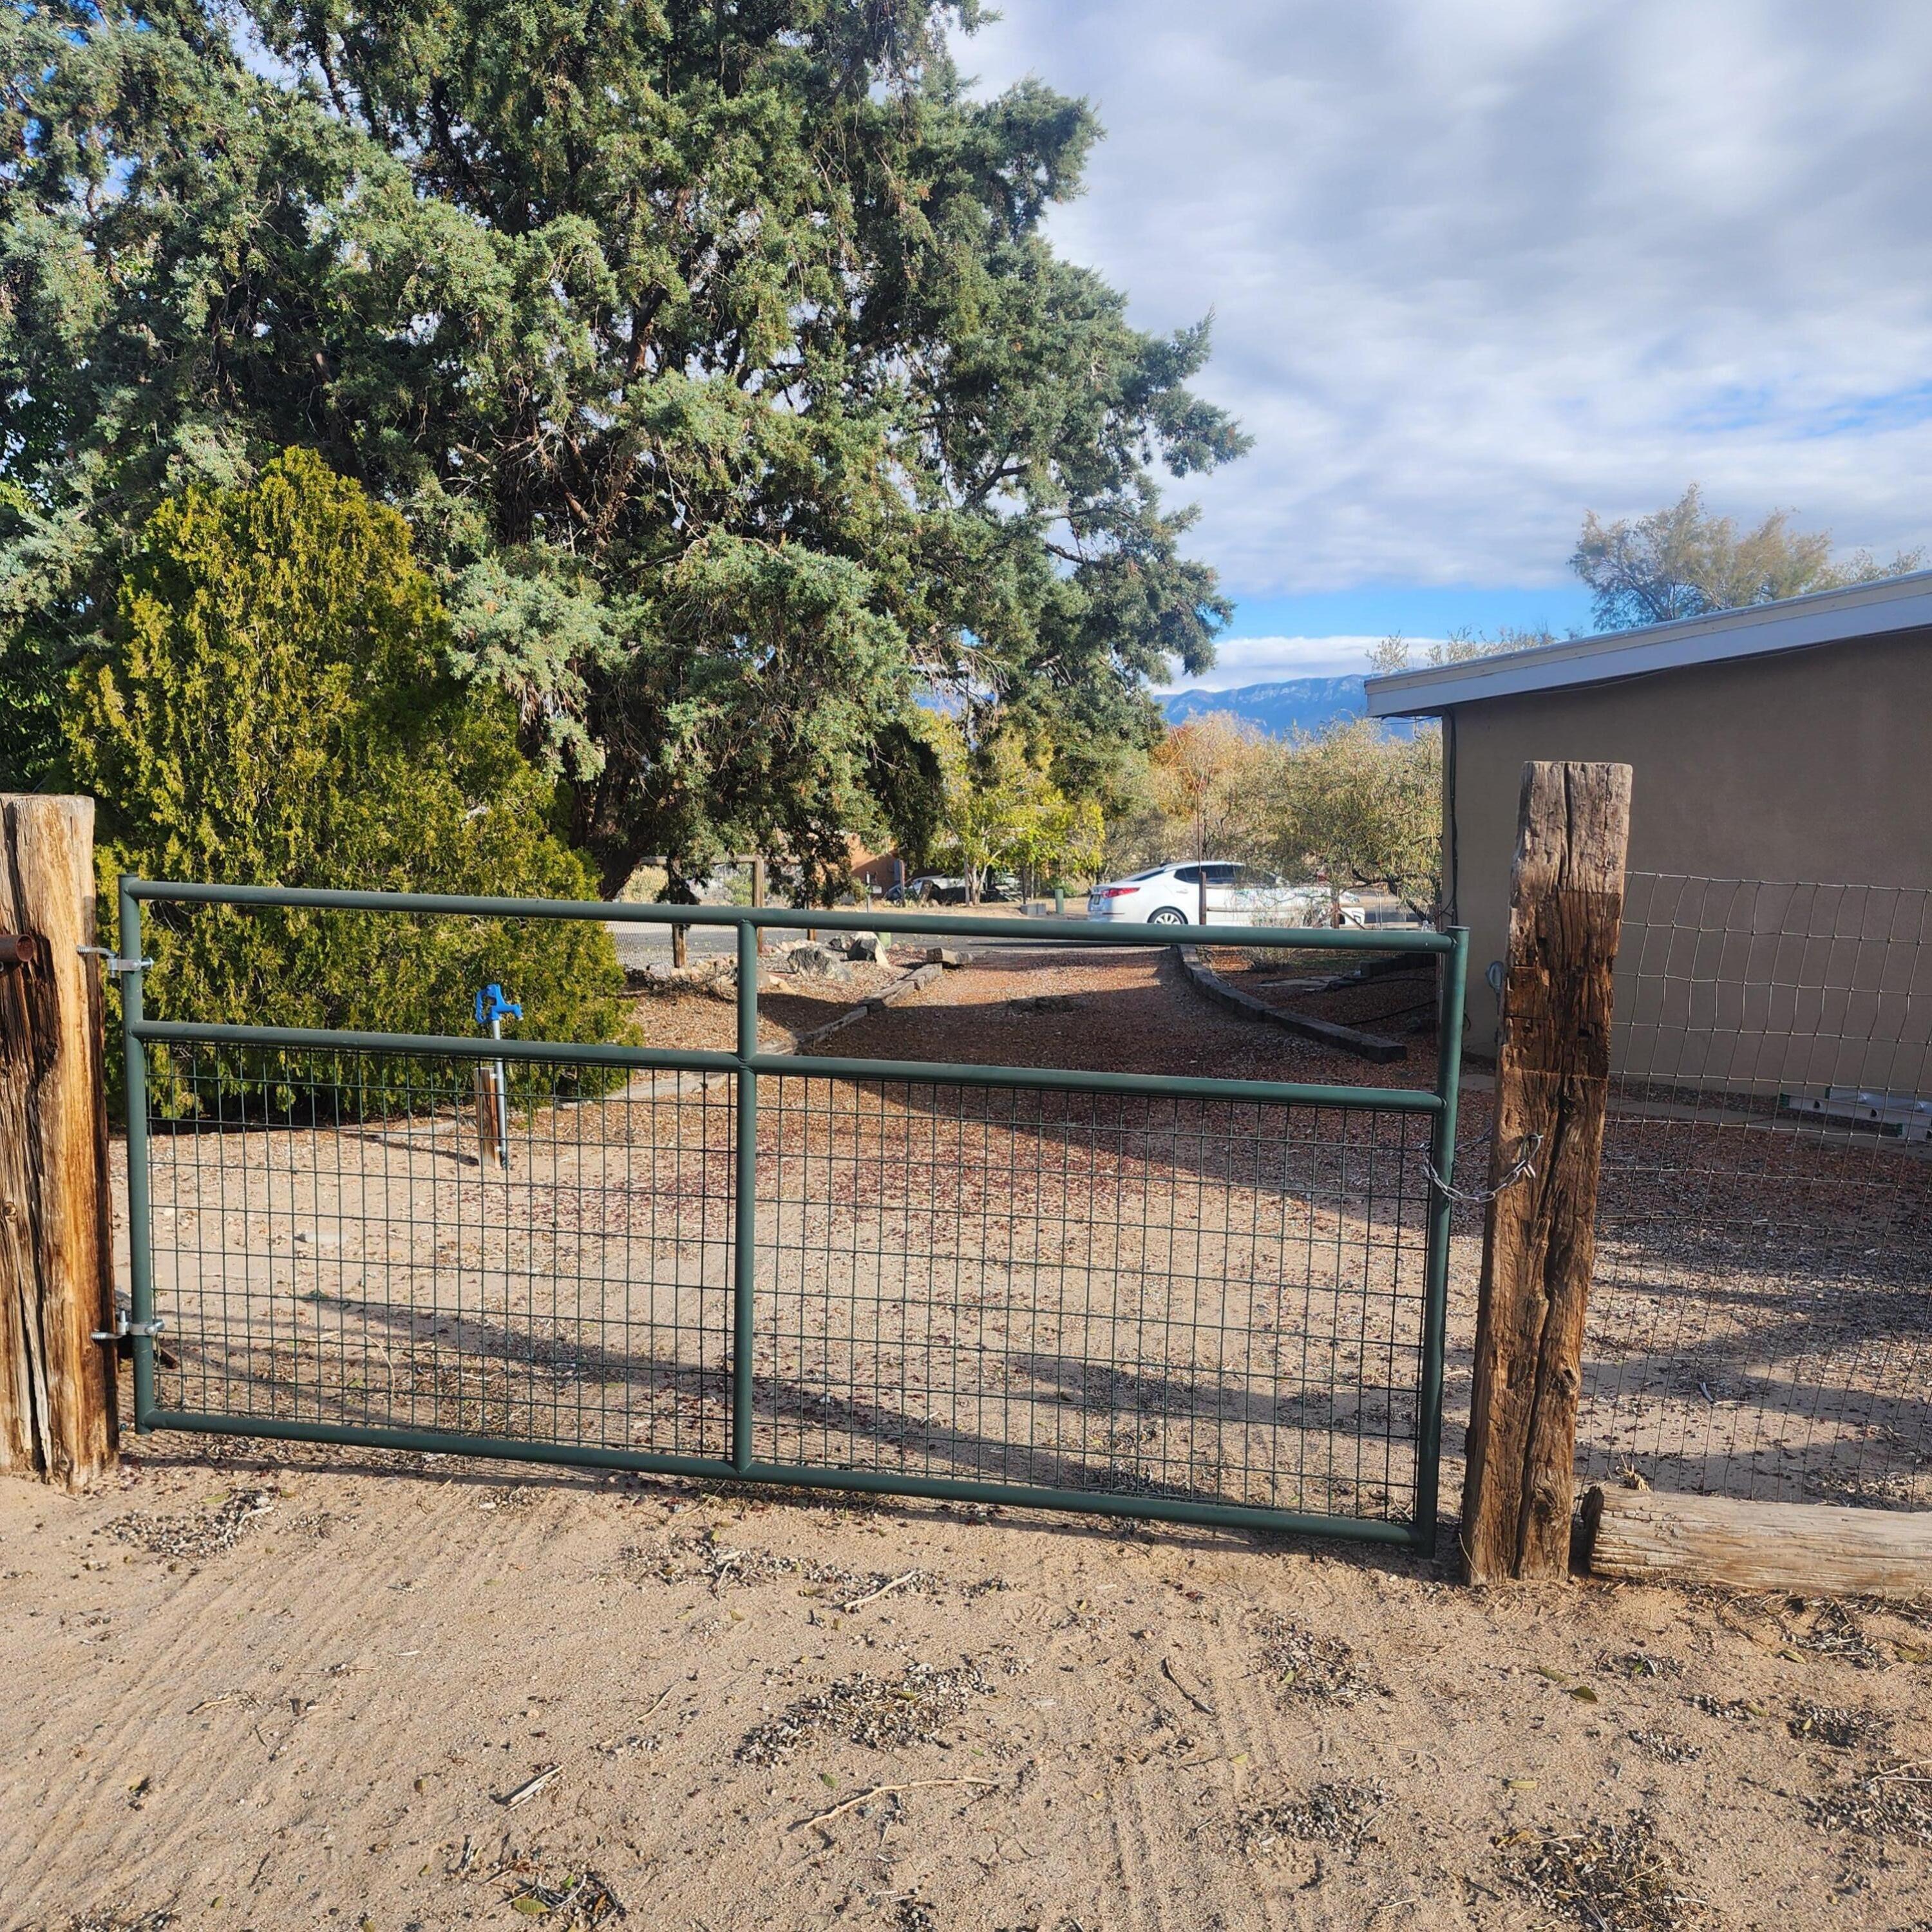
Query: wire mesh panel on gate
(1193,1295)
(334,1243)
(1761,1320)
(1220,1301)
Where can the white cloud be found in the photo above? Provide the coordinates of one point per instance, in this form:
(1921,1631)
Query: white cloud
(1240,661)
(1479,264)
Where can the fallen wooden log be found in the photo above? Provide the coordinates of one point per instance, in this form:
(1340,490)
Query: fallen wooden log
(1817,1549)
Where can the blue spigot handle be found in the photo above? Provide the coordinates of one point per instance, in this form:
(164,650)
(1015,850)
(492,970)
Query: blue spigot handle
(491,1005)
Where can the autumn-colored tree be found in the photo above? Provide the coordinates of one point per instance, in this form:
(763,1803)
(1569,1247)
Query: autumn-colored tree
(1202,778)
(1360,805)
(1000,807)
(1200,771)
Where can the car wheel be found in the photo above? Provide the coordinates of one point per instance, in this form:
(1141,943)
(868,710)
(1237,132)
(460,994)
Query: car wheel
(1167,915)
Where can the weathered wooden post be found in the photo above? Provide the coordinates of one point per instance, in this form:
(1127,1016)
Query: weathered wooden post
(58,1417)
(1539,1236)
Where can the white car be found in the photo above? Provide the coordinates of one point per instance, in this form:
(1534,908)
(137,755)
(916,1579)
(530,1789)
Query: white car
(1237,894)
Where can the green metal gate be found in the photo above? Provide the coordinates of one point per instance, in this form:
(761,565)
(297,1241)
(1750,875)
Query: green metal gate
(1203,1300)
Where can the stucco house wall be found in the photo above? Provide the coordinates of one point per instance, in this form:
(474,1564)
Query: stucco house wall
(1809,765)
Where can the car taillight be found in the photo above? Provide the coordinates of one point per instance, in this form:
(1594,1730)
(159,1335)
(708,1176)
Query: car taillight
(1110,891)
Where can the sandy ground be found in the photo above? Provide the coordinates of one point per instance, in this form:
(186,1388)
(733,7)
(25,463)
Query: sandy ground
(1061,1722)
(255,1686)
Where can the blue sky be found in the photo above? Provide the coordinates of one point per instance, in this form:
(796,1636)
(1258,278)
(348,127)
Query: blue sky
(1478,266)
(1328,633)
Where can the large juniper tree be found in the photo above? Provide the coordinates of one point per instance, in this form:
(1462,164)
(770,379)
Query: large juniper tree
(713,353)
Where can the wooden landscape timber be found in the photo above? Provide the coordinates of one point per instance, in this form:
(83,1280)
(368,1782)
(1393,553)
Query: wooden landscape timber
(57,1418)
(1539,1237)
(1818,1549)
(1349,1039)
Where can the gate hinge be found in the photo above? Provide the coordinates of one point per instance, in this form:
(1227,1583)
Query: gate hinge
(123,1328)
(111,960)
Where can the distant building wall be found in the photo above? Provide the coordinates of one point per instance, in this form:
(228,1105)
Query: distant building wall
(1809,766)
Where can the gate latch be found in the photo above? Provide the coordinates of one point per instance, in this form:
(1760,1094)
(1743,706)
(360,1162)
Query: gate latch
(123,1328)
(111,960)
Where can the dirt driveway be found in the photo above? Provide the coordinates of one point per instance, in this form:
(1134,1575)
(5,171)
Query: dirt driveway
(268,1688)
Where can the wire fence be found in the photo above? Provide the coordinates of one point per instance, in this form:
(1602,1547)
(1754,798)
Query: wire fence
(335,1245)
(1217,1301)
(1761,1322)
(1209,1298)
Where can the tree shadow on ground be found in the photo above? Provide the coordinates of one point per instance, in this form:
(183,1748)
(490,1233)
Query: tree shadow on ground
(517,1376)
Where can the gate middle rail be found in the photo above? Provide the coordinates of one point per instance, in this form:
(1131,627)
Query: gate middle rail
(1208,1300)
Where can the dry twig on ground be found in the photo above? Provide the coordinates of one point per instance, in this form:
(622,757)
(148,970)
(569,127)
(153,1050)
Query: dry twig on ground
(1206,1709)
(883,1714)
(873,1791)
(1610,1875)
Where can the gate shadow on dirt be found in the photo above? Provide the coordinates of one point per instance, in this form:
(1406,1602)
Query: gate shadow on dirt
(555,1373)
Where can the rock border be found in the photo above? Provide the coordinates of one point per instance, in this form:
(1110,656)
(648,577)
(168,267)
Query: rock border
(889,994)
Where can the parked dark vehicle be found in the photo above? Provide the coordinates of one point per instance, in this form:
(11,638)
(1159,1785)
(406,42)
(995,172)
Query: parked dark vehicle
(938,889)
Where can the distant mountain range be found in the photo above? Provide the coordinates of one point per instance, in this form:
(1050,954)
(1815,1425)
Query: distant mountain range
(1297,703)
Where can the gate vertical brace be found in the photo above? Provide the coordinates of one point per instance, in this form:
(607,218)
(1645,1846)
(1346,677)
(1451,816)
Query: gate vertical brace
(140,1231)
(1435,1297)
(744,1230)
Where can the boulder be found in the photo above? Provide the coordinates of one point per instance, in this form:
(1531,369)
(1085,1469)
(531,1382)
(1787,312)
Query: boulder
(707,976)
(811,962)
(868,946)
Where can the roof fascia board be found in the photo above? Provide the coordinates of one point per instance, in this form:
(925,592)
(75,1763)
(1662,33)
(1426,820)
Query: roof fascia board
(1826,617)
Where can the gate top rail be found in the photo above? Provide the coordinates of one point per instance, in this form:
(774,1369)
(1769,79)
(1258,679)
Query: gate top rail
(1337,939)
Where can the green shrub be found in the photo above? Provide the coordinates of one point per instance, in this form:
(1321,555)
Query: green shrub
(278,709)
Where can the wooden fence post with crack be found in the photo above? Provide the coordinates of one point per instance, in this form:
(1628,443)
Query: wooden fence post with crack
(1539,1235)
(58,1419)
